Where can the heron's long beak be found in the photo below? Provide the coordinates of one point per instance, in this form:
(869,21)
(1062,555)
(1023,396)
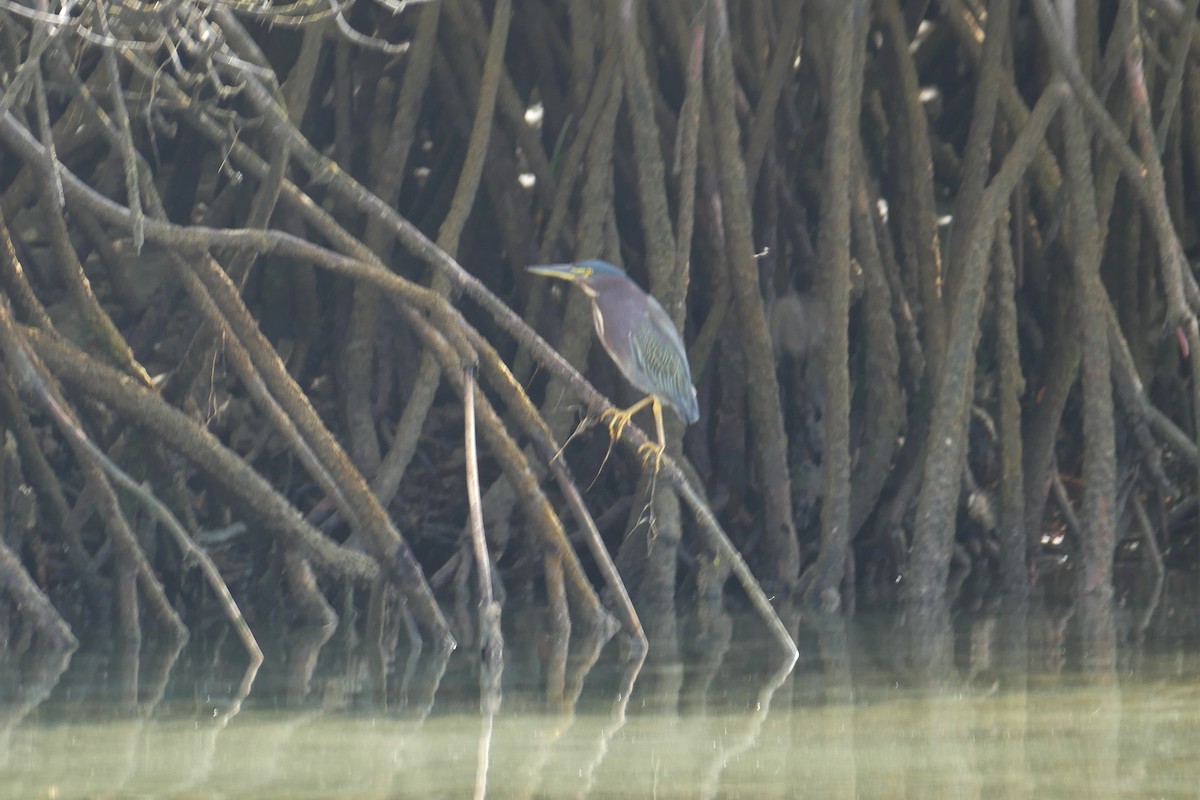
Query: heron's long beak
(563,271)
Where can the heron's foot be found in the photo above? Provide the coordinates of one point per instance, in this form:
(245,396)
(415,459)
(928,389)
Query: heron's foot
(617,421)
(651,450)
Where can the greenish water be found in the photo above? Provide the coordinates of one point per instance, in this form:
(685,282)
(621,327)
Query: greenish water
(852,719)
(1133,741)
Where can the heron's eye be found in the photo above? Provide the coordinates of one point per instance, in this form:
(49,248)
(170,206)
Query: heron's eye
(583,272)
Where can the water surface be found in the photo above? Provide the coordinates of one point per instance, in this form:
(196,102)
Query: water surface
(1020,710)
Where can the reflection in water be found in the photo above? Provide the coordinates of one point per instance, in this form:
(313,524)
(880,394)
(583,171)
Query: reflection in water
(1031,703)
(23,688)
(633,667)
(734,747)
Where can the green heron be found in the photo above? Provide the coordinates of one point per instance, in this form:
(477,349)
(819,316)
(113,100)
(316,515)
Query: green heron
(640,337)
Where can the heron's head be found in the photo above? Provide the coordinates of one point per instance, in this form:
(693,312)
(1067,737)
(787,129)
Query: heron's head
(587,274)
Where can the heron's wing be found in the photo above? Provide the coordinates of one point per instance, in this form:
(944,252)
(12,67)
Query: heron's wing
(661,363)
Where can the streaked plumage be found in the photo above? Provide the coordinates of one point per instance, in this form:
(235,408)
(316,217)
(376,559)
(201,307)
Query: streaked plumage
(637,333)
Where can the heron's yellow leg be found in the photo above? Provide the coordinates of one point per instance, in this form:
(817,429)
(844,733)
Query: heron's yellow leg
(650,449)
(617,419)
